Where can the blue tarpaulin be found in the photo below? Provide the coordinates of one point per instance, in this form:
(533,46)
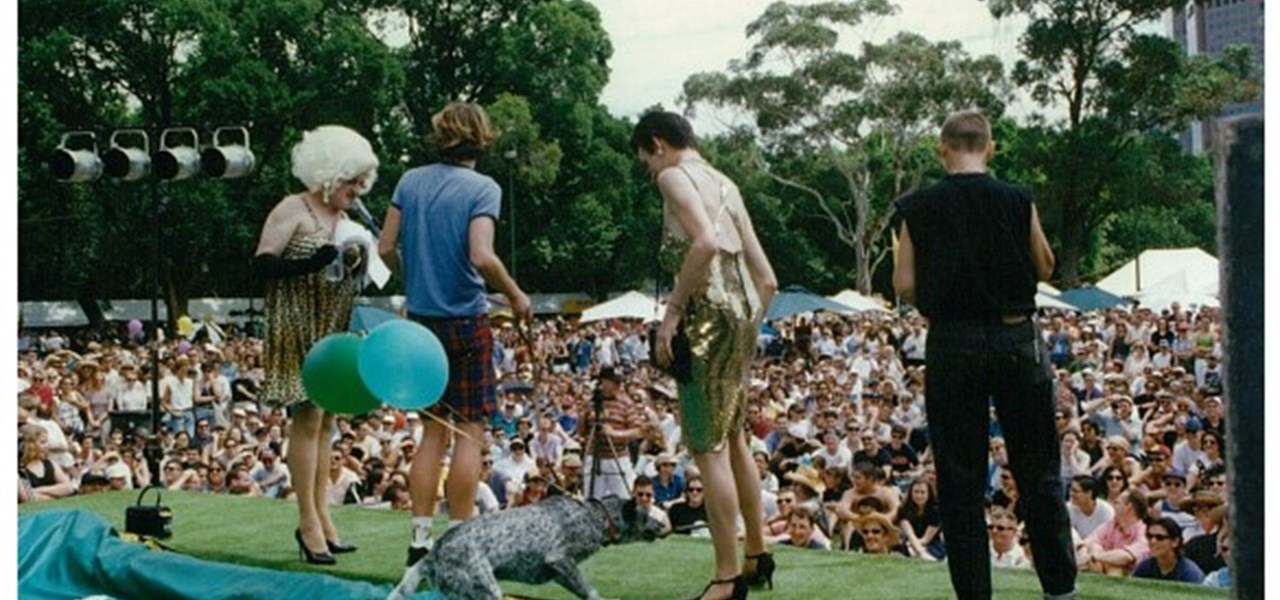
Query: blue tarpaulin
(71,554)
(795,300)
(1091,298)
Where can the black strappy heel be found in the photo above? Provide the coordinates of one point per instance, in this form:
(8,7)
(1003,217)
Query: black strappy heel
(764,570)
(739,588)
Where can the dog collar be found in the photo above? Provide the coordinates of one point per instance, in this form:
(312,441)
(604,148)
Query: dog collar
(610,529)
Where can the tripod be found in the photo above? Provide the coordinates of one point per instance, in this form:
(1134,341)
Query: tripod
(597,415)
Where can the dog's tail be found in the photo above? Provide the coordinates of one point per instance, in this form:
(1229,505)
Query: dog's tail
(413,577)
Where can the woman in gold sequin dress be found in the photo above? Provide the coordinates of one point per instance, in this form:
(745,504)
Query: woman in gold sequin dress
(304,304)
(723,282)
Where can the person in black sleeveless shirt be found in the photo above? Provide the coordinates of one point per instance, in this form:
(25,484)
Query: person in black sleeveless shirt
(971,250)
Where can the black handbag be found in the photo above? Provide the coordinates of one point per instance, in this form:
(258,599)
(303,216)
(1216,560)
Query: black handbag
(154,521)
(681,367)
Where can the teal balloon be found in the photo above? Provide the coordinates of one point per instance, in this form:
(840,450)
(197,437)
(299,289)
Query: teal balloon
(331,376)
(404,365)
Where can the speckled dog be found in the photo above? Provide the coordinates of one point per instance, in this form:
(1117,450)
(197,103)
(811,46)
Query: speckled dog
(532,544)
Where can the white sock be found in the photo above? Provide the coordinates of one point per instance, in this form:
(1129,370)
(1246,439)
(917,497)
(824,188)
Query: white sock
(422,532)
(454,523)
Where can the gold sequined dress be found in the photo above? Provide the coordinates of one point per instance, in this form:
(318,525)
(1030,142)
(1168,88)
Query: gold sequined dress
(718,321)
(300,311)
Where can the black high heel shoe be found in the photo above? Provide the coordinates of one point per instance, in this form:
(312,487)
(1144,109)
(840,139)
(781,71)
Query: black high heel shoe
(315,558)
(739,588)
(764,570)
(340,548)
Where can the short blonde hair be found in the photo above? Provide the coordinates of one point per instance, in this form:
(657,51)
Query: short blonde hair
(462,132)
(332,153)
(966,131)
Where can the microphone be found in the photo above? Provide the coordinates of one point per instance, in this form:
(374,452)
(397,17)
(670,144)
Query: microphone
(364,215)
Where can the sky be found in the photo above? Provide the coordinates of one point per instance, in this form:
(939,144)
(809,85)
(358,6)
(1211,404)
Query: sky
(657,44)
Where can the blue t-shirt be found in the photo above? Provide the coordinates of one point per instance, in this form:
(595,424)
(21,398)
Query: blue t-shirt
(437,203)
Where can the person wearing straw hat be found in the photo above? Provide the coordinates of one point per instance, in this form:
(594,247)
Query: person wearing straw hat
(303,305)
(438,236)
(879,535)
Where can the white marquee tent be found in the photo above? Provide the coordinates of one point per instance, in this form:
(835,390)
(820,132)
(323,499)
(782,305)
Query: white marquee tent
(1047,297)
(1190,272)
(631,305)
(858,302)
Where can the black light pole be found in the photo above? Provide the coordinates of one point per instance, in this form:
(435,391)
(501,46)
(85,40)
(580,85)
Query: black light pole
(511,156)
(152,450)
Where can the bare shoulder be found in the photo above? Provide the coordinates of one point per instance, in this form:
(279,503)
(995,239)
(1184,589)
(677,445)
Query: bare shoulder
(288,208)
(673,182)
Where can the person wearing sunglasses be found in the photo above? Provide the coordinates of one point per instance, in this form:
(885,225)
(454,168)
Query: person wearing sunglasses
(1222,577)
(1166,562)
(879,535)
(1003,529)
(689,514)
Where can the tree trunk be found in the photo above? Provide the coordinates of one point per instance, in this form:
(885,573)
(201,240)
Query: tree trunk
(88,302)
(175,300)
(1073,239)
(862,257)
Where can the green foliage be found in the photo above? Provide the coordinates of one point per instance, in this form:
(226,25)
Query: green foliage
(1119,87)
(837,131)
(847,133)
(277,67)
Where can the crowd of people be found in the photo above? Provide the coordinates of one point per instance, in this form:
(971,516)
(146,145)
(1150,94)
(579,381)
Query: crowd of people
(835,424)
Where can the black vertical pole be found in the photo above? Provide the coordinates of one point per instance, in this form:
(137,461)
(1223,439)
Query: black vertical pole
(155,308)
(153,451)
(1240,240)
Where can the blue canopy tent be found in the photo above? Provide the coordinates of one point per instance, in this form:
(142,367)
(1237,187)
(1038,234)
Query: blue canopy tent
(795,300)
(365,318)
(1088,298)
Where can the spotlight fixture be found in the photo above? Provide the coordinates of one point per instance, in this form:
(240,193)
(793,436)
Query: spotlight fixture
(127,163)
(227,161)
(173,163)
(76,166)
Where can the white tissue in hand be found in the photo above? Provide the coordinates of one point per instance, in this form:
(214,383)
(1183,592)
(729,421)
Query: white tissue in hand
(348,233)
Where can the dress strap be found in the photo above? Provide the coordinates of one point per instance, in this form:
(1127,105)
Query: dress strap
(724,199)
(314,219)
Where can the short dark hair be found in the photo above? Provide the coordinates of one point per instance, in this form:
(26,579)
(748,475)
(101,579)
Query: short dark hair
(867,469)
(671,127)
(642,480)
(1171,529)
(1088,484)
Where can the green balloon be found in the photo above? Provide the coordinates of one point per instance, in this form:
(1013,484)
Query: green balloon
(332,379)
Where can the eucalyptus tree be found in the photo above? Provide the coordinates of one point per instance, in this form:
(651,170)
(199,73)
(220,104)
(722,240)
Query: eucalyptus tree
(1121,86)
(848,131)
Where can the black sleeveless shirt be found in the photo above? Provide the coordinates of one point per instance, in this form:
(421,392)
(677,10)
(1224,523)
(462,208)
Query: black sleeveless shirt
(972,240)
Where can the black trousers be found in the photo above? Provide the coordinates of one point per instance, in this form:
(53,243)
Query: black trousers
(969,366)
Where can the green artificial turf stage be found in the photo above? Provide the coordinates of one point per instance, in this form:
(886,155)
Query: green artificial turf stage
(259,532)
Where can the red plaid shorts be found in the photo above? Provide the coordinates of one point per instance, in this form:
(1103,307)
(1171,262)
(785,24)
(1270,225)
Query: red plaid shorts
(468,342)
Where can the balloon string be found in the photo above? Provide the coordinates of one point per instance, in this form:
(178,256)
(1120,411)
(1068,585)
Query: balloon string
(447,424)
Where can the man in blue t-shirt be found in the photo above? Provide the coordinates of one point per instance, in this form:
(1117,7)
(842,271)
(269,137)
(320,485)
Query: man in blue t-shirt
(438,237)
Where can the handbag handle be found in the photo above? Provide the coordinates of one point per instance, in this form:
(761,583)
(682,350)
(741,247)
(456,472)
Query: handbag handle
(144,493)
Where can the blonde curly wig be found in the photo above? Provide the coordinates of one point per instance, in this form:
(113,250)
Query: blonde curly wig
(332,153)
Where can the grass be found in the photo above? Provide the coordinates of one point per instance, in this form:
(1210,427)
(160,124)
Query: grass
(259,532)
